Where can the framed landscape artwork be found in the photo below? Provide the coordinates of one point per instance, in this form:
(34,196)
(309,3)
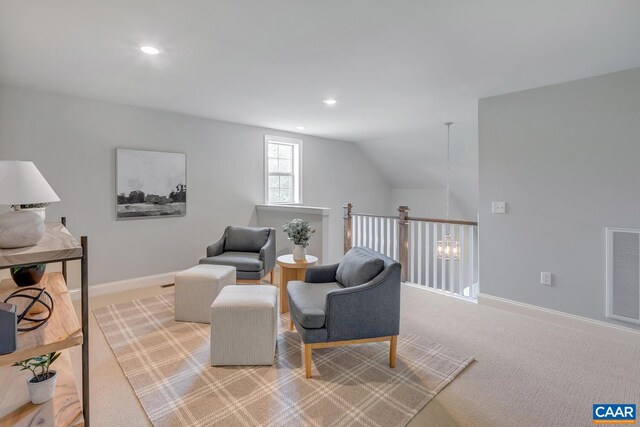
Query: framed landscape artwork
(150,184)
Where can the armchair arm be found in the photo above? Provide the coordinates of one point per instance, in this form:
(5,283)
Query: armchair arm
(321,274)
(216,249)
(365,311)
(268,252)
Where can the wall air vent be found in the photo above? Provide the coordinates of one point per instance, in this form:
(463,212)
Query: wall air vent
(623,274)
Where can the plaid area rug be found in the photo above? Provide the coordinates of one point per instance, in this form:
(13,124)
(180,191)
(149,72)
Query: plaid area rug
(167,364)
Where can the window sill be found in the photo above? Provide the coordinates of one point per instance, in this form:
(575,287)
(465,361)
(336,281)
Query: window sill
(309,210)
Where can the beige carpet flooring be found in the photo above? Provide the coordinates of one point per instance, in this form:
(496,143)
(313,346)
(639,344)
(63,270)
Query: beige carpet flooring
(527,372)
(167,364)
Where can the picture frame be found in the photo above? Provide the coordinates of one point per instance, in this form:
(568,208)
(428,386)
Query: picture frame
(150,184)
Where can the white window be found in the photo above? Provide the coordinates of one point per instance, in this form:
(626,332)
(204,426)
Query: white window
(282,170)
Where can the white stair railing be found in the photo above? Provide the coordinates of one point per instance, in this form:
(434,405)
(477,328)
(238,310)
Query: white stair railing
(412,241)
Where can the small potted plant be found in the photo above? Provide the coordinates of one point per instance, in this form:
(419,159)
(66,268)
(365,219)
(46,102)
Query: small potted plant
(28,275)
(42,385)
(299,232)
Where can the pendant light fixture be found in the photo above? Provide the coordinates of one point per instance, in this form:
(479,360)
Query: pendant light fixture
(448,250)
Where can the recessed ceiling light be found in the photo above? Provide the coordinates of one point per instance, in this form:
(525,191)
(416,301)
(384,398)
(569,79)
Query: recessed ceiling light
(330,101)
(300,127)
(150,50)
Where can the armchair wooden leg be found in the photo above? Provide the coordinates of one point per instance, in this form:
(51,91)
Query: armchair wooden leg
(393,344)
(271,277)
(307,360)
(291,327)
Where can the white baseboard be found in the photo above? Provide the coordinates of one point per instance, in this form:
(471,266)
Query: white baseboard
(125,285)
(584,324)
(439,292)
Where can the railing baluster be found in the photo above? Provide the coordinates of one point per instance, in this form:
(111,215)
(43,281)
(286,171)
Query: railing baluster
(472,263)
(378,234)
(372,233)
(354,230)
(418,243)
(434,261)
(395,240)
(385,239)
(411,250)
(452,270)
(443,276)
(356,235)
(427,254)
(463,259)
(367,232)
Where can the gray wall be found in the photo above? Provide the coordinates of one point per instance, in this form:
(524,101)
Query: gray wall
(72,141)
(566,159)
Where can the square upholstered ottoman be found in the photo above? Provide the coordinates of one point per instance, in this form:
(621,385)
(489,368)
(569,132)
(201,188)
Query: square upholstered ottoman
(244,325)
(197,287)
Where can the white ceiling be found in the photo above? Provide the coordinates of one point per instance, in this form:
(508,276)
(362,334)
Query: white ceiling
(397,68)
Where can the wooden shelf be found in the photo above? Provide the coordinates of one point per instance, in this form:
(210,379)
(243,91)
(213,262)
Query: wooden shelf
(56,245)
(63,410)
(60,332)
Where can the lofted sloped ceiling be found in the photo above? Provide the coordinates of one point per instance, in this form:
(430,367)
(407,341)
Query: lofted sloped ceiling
(398,69)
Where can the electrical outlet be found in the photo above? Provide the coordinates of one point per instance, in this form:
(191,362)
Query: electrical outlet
(498,207)
(545,278)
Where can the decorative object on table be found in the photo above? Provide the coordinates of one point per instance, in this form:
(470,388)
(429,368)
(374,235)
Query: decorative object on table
(299,232)
(28,275)
(150,184)
(448,249)
(251,250)
(37,296)
(43,383)
(291,269)
(8,328)
(22,183)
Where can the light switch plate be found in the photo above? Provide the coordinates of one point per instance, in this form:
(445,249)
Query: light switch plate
(498,207)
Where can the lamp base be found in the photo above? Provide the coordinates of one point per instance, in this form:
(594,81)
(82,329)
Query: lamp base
(20,228)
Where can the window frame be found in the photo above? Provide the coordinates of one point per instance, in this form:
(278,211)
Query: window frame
(296,167)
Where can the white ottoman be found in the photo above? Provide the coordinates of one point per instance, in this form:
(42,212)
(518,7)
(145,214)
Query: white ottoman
(244,325)
(197,287)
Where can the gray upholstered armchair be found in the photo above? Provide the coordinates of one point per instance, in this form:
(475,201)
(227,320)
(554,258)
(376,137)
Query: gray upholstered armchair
(355,301)
(251,250)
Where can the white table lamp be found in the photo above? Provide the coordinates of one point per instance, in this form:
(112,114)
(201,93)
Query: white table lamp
(21,183)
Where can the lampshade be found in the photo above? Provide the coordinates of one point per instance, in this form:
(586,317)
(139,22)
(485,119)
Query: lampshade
(22,184)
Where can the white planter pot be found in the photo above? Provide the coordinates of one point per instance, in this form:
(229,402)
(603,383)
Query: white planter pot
(42,391)
(299,253)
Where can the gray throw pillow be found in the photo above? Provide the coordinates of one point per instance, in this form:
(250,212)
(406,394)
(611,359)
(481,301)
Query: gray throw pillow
(245,239)
(357,268)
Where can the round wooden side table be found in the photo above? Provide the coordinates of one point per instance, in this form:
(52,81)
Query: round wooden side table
(291,269)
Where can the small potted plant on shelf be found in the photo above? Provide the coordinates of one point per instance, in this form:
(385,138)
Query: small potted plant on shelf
(42,385)
(28,275)
(299,232)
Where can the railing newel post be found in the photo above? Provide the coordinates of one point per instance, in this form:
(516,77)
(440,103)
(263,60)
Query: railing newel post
(403,241)
(348,227)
